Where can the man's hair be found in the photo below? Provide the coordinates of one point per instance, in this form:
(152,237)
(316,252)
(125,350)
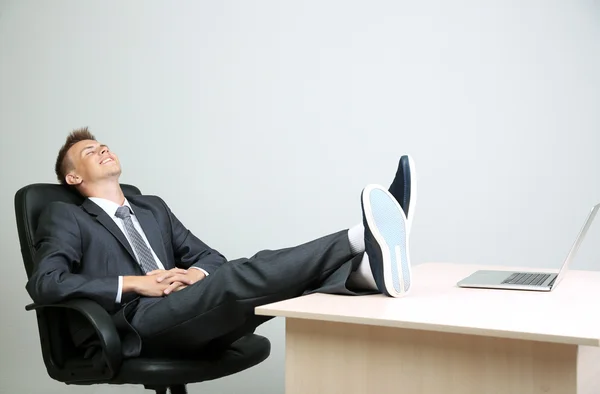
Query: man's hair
(63,163)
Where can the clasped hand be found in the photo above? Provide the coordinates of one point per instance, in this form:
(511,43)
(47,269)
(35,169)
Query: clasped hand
(164,282)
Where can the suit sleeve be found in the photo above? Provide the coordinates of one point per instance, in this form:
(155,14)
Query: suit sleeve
(58,254)
(191,251)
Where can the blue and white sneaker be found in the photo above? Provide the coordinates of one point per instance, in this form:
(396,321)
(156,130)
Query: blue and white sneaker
(386,241)
(404,188)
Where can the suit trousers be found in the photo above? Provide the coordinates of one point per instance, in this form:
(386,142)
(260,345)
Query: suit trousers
(220,308)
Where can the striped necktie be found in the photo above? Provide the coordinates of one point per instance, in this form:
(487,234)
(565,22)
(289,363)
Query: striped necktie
(143,252)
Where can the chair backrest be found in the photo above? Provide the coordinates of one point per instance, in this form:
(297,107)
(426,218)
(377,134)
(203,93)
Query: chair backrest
(31,200)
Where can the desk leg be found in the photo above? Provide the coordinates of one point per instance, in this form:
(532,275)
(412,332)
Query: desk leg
(588,370)
(330,358)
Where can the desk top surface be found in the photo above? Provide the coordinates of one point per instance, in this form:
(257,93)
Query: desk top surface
(568,314)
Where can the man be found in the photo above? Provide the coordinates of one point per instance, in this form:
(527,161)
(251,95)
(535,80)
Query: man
(169,292)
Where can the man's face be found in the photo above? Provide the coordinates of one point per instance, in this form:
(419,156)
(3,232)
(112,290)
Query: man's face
(91,162)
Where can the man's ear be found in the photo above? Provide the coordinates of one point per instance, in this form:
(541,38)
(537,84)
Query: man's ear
(73,179)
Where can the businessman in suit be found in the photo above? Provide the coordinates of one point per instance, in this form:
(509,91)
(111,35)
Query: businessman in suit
(169,292)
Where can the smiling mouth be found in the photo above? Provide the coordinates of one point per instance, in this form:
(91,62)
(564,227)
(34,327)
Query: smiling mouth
(107,160)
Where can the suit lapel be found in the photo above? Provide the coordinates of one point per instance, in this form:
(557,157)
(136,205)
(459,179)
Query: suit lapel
(108,223)
(152,231)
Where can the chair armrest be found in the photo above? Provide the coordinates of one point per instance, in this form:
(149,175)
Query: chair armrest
(102,323)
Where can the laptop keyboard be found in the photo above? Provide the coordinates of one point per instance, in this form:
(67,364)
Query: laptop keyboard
(524,278)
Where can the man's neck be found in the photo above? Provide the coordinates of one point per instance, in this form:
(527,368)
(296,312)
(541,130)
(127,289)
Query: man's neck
(109,191)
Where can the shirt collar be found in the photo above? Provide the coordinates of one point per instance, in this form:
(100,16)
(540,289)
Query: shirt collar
(110,207)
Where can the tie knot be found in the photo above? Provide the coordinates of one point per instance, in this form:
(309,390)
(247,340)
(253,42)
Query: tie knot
(123,212)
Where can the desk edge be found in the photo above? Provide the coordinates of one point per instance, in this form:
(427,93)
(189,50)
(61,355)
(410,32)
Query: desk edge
(581,341)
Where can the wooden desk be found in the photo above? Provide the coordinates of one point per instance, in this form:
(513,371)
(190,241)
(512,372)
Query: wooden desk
(444,339)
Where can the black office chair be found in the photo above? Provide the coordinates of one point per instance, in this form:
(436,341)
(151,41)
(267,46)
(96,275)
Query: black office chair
(67,364)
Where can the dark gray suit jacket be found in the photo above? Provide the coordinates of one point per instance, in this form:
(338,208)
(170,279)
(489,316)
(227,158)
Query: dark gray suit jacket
(81,252)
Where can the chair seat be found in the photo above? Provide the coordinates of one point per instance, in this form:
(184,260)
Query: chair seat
(242,354)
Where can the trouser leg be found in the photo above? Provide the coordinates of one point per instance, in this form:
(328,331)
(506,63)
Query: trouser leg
(224,301)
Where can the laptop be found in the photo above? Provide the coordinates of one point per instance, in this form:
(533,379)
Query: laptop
(534,281)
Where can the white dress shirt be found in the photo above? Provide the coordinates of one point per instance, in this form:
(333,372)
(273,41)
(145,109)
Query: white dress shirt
(110,208)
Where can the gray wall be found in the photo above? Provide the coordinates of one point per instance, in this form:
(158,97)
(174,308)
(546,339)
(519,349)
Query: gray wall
(260,121)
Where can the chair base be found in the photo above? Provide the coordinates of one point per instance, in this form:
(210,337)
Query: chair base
(175,389)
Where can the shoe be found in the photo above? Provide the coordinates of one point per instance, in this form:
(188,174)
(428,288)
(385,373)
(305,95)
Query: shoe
(404,188)
(386,241)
